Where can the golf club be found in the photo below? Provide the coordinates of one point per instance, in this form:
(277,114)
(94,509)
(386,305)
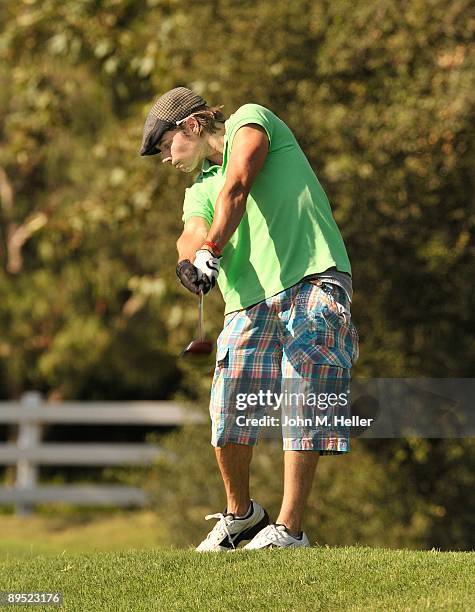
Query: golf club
(199,346)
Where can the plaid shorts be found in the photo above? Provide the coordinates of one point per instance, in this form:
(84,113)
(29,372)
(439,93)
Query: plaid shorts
(301,339)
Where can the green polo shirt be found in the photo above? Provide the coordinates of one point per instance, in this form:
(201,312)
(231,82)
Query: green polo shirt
(287,231)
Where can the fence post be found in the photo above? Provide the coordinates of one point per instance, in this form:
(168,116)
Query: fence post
(29,434)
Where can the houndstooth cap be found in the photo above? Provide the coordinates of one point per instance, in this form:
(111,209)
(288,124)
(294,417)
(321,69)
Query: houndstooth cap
(172,106)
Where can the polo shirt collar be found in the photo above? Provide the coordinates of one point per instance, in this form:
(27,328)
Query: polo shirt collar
(207,166)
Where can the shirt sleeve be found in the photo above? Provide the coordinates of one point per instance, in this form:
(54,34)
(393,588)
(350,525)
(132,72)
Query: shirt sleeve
(197,204)
(252,113)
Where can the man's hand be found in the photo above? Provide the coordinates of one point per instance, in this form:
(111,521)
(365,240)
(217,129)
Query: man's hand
(188,275)
(201,274)
(208,268)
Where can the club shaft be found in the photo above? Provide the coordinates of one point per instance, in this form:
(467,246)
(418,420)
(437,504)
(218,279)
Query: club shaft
(200,316)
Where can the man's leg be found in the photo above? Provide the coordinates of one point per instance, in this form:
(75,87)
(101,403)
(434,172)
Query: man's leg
(299,471)
(242,520)
(234,461)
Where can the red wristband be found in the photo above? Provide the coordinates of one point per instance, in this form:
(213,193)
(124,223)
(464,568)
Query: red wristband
(214,247)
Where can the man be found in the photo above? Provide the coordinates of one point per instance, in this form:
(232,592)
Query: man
(258,222)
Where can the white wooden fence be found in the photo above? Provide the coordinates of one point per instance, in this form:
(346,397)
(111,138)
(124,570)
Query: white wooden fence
(28,452)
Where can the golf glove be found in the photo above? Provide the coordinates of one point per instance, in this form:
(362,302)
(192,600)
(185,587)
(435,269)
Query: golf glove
(201,275)
(208,268)
(188,276)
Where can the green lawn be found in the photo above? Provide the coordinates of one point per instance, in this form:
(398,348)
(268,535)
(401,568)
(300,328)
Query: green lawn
(351,578)
(80,532)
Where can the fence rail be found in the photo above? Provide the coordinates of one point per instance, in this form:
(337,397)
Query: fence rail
(89,495)
(79,454)
(28,452)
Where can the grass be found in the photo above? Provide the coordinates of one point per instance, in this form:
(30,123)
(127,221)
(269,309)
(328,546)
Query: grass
(79,532)
(321,578)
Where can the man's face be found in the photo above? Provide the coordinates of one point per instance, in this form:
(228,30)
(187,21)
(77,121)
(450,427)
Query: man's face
(185,151)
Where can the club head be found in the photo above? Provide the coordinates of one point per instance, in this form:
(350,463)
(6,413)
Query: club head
(200,346)
(197,347)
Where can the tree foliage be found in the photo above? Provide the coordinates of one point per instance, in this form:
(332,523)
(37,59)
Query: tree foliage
(380,97)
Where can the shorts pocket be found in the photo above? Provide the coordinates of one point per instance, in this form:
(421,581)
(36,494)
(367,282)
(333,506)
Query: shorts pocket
(227,356)
(324,324)
(332,340)
(222,357)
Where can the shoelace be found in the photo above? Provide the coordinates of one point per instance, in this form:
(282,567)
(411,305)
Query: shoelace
(268,531)
(219,528)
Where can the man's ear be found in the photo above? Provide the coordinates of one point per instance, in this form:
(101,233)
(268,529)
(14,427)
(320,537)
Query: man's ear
(192,126)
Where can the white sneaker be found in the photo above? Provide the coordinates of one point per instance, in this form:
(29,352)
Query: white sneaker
(277,536)
(229,531)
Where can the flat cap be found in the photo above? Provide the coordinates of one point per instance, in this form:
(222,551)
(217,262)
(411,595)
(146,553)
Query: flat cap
(171,107)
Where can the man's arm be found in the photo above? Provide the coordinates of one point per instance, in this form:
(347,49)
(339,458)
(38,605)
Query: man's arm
(192,237)
(248,155)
